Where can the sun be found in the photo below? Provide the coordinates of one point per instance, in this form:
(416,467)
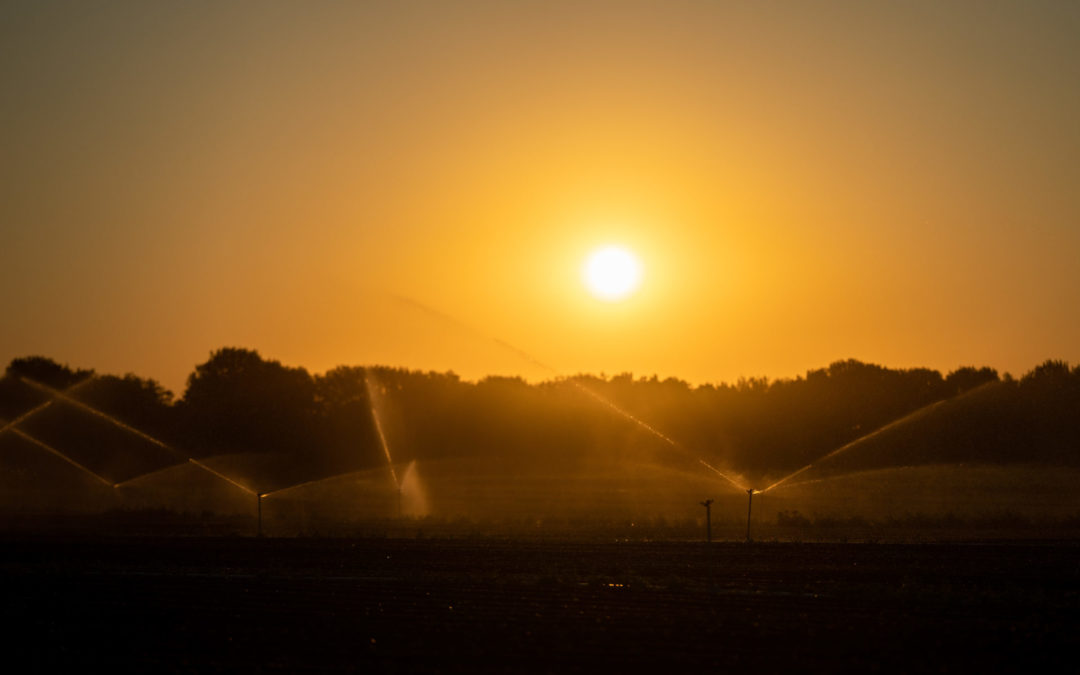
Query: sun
(611,273)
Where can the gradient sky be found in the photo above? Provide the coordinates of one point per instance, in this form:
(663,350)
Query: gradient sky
(399,183)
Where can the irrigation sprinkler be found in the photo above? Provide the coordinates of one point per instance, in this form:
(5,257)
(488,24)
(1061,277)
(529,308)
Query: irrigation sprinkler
(708,519)
(521,353)
(64,396)
(749,505)
(258,502)
(382,437)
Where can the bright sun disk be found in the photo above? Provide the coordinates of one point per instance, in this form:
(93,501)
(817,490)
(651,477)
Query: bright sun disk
(612,273)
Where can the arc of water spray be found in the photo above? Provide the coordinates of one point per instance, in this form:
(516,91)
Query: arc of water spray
(38,408)
(53,451)
(592,394)
(12,426)
(379,430)
(856,442)
(369,387)
(127,427)
(648,427)
(653,430)
(836,477)
(313,481)
(723,475)
(94,411)
(603,400)
(204,467)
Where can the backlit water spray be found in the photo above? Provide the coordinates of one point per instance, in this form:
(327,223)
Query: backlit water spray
(857,442)
(48,448)
(723,475)
(38,408)
(307,483)
(371,388)
(12,426)
(413,492)
(141,434)
(603,400)
(400,485)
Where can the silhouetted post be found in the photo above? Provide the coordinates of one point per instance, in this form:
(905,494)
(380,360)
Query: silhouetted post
(708,519)
(258,500)
(749,505)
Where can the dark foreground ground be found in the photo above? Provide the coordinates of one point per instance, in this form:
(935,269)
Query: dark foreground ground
(250,605)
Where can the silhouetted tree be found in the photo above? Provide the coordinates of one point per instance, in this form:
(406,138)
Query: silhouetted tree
(46,371)
(1051,399)
(1049,376)
(969,377)
(237,401)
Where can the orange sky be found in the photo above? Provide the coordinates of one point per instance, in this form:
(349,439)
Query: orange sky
(803,182)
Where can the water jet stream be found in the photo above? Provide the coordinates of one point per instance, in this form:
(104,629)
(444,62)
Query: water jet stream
(628,415)
(39,408)
(10,426)
(48,448)
(379,430)
(723,475)
(592,394)
(836,477)
(223,477)
(127,427)
(313,481)
(847,446)
(94,411)
(370,386)
(655,432)
(197,464)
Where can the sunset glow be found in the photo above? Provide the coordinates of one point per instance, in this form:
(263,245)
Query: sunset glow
(612,273)
(892,183)
(521,336)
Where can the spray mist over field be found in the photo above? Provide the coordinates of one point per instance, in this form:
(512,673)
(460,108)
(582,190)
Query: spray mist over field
(359,449)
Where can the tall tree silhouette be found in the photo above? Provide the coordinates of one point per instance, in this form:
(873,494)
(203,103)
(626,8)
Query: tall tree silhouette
(46,371)
(239,402)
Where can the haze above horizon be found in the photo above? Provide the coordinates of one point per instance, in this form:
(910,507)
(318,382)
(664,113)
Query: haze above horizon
(409,184)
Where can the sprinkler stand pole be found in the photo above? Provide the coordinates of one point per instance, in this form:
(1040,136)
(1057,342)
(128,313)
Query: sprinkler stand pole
(749,506)
(708,519)
(258,500)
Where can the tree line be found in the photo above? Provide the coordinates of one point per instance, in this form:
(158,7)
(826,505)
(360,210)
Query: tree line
(239,402)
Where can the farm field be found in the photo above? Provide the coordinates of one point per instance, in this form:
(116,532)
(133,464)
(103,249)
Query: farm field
(189,604)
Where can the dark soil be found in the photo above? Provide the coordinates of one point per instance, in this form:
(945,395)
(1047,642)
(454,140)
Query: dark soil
(289,605)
